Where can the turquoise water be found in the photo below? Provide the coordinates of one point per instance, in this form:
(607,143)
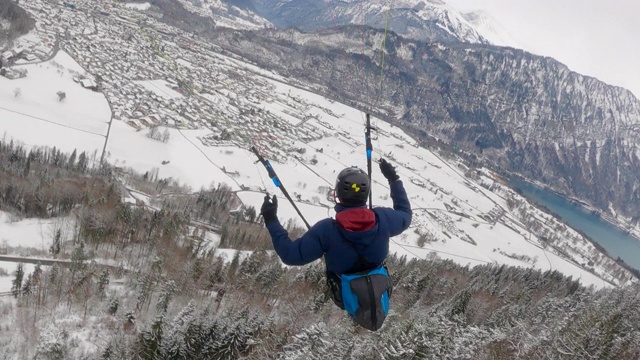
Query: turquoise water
(611,238)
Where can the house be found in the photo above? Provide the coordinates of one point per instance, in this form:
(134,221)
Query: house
(7,55)
(155,119)
(190,117)
(135,124)
(89,84)
(41,51)
(10,74)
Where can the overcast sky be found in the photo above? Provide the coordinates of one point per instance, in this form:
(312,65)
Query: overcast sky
(600,38)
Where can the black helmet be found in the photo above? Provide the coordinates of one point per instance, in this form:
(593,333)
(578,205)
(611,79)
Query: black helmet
(352,187)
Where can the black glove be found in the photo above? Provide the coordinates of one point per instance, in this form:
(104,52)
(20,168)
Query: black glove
(388,171)
(269,209)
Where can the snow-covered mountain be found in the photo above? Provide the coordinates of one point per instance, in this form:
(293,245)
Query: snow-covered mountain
(431,20)
(592,37)
(236,14)
(105,84)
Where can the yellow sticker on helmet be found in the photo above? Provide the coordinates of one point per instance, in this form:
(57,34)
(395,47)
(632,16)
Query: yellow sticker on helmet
(355,187)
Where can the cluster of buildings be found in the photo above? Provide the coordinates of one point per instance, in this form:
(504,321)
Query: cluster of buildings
(27,50)
(153,74)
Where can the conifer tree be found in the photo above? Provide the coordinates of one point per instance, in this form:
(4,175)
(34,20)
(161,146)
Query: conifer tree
(166,292)
(16,286)
(72,160)
(78,258)
(103,282)
(149,341)
(175,342)
(27,288)
(52,344)
(36,281)
(56,245)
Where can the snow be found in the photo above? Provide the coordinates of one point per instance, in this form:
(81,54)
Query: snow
(212,239)
(138,6)
(216,10)
(36,117)
(10,269)
(31,233)
(228,254)
(160,88)
(188,164)
(592,37)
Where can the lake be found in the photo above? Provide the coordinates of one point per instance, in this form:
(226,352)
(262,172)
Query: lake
(614,240)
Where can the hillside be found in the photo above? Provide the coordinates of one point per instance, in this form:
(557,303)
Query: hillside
(14,21)
(173,291)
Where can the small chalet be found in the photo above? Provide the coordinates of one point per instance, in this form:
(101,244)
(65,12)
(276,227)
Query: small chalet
(7,55)
(88,84)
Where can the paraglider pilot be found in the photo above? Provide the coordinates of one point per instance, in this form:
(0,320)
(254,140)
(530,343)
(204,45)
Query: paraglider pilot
(354,244)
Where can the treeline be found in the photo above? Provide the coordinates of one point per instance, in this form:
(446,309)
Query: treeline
(44,182)
(19,20)
(163,243)
(259,310)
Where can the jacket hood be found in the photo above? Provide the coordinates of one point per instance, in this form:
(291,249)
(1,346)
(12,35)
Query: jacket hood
(358,225)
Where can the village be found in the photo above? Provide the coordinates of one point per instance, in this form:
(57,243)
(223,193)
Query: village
(155,75)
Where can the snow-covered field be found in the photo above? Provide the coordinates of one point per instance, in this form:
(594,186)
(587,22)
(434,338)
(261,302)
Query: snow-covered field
(27,234)
(31,112)
(449,207)
(138,6)
(10,268)
(31,233)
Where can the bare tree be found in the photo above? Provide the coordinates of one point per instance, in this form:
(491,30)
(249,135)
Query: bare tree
(17,92)
(61,95)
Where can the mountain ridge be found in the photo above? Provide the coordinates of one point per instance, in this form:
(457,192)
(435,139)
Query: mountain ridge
(422,20)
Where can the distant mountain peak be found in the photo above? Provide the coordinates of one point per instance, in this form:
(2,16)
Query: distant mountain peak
(425,20)
(490,29)
(236,14)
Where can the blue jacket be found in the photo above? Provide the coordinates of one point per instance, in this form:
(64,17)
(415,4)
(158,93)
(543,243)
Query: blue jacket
(338,245)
